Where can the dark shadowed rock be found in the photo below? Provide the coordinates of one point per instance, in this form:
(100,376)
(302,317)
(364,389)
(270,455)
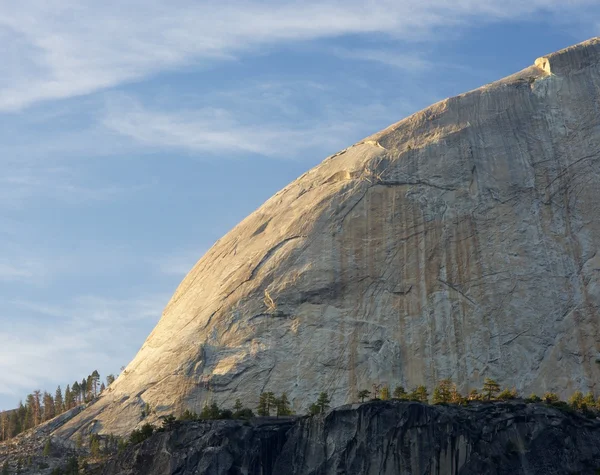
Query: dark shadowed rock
(381,438)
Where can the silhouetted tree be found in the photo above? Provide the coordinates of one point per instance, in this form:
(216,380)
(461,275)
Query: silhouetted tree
(363,394)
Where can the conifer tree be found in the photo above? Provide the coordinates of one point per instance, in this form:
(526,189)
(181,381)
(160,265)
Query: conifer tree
(363,394)
(69,399)
(59,406)
(443,392)
(550,398)
(47,448)
(419,394)
(282,405)
(49,410)
(385,393)
(94,445)
(400,393)
(263,406)
(323,402)
(110,379)
(76,391)
(588,400)
(490,389)
(95,379)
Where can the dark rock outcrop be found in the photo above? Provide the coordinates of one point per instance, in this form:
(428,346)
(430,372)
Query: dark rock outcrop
(377,439)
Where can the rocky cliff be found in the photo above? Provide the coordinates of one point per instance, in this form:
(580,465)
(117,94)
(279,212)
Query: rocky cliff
(461,242)
(378,438)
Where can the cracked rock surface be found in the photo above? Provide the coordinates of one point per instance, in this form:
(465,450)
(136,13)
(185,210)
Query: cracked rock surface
(378,439)
(462,242)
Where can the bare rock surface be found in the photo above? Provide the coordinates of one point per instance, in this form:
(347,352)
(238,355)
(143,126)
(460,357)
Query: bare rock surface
(462,242)
(379,439)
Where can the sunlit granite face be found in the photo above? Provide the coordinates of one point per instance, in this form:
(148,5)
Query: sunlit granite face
(461,242)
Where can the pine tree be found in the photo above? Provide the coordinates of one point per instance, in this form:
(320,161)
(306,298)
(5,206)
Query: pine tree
(76,391)
(400,393)
(589,401)
(69,399)
(94,445)
(37,407)
(95,381)
(4,426)
(102,388)
(363,394)
(490,389)
(419,394)
(576,400)
(385,393)
(110,379)
(323,402)
(47,448)
(263,405)
(30,417)
(59,405)
(238,406)
(443,392)
(282,404)
(49,410)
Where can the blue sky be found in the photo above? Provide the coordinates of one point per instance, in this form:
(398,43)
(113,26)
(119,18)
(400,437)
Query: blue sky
(135,134)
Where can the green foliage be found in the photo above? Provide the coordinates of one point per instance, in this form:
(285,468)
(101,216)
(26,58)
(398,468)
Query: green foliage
(576,400)
(188,416)
(238,406)
(79,442)
(141,434)
(533,398)
(72,467)
(266,402)
(507,394)
(444,392)
(363,394)
(400,393)
(121,446)
(384,395)
(282,405)
(588,401)
(95,445)
(550,398)
(323,401)
(47,448)
(419,394)
(168,421)
(210,411)
(490,389)
(244,413)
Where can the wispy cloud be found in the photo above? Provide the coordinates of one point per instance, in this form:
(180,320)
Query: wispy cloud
(77,47)
(404,61)
(214,131)
(89,332)
(177,264)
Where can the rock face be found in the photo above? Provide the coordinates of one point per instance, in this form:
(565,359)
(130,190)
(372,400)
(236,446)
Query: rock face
(461,242)
(379,439)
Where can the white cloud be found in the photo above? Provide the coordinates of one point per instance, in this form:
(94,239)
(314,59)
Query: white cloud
(266,125)
(68,48)
(407,62)
(89,333)
(177,264)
